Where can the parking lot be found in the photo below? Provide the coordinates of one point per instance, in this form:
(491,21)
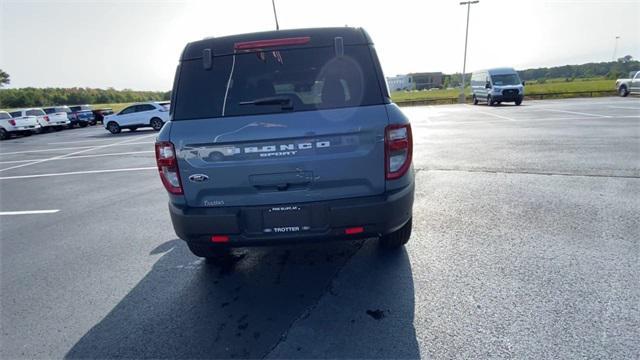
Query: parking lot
(525,244)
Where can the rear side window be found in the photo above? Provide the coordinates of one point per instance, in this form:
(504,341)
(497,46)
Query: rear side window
(16,114)
(144,107)
(307,79)
(35,112)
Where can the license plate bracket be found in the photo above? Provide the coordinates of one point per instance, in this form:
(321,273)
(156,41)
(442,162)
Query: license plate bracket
(286,219)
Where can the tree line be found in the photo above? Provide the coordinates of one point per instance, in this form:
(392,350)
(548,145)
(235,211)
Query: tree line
(610,70)
(38,97)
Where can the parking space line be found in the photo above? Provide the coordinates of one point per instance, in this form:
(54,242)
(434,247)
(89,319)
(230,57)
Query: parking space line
(82,156)
(77,173)
(576,113)
(29,212)
(72,148)
(74,153)
(624,107)
(492,114)
(77,141)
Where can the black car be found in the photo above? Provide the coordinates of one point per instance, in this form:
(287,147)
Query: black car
(99,115)
(82,115)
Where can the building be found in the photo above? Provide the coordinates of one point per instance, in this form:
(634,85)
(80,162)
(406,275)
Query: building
(427,80)
(400,82)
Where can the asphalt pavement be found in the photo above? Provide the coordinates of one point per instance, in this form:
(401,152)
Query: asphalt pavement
(525,245)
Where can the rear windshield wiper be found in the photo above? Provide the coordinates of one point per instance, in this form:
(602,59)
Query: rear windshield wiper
(283,101)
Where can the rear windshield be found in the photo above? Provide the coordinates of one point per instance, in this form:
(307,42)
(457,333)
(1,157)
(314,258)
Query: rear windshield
(49,110)
(35,112)
(16,114)
(275,81)
(4,116)
(80,108)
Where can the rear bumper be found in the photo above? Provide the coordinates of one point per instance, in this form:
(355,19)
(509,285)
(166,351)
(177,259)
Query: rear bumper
(378,215)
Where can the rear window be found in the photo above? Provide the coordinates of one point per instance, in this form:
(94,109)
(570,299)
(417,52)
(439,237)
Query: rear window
(306,79)
(49,110)
(35,112)
(4,116)
(16,114)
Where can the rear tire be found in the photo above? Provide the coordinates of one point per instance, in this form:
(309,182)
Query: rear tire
(156,123)
(622,91)
(83,124)
(475,100)
(489,100)
(397,238)
(113,127)
(4,135)
(518,102)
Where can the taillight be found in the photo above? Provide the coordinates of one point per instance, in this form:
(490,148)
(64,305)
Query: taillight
(398,148)
(12,122)
(168,167)
(46,118)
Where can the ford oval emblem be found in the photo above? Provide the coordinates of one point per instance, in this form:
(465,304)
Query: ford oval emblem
(198,177)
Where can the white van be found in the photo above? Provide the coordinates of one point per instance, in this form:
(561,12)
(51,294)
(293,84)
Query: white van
(495,86)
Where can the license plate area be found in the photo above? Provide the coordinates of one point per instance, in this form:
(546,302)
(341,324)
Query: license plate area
(286,219)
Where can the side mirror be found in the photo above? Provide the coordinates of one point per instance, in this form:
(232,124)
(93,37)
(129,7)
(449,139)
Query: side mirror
(487,85)
(523,83)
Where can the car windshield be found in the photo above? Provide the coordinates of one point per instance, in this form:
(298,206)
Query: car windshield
(35,112)
(4,116)
(505,79)
(274,81)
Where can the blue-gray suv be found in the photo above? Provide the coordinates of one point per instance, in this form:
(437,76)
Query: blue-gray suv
(285,136)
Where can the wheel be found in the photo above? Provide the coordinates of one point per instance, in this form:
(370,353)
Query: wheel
(113,127)
(4,135)
(622,91)
(475,100)
(156,124)
(83,124)
(518,102)
(489,100)
(397,238)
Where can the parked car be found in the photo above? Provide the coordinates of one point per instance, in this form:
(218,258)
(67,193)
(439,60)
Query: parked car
(41,117)
(294,138)
(20,125)
(150,114)
(496,86)
(81,115)
(630,85)
(58,116)
(99,114)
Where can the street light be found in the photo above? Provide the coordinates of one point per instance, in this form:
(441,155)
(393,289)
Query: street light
(461,98)
(275,14)
(615,49)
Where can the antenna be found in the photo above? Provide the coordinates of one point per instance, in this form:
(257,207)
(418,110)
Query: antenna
(275,14)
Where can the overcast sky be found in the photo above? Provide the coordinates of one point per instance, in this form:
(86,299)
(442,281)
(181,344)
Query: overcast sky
(136,44)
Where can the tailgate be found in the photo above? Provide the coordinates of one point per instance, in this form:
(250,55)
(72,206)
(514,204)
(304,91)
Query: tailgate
(282,158)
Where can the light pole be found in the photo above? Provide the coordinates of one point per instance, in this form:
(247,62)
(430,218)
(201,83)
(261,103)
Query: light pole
(615,49)
(461,98)
(275,14)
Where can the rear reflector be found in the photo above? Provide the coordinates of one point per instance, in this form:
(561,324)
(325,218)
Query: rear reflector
(354,230)
(220,238)
(261,44)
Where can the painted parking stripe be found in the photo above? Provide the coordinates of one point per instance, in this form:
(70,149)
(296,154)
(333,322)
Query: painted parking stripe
(577,113)
(29,212)
(492,114)
(74,153)
(78,173)
(74,148)
(82,156)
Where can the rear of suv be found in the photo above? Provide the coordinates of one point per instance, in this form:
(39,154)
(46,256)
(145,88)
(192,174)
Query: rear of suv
(286,136)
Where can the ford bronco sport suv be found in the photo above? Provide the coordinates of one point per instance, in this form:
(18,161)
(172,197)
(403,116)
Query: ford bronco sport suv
(285,136)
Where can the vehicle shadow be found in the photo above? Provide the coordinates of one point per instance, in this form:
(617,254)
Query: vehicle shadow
(235,308)
(123,134)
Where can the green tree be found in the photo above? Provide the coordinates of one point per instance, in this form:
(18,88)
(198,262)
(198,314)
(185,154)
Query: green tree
(4,78)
